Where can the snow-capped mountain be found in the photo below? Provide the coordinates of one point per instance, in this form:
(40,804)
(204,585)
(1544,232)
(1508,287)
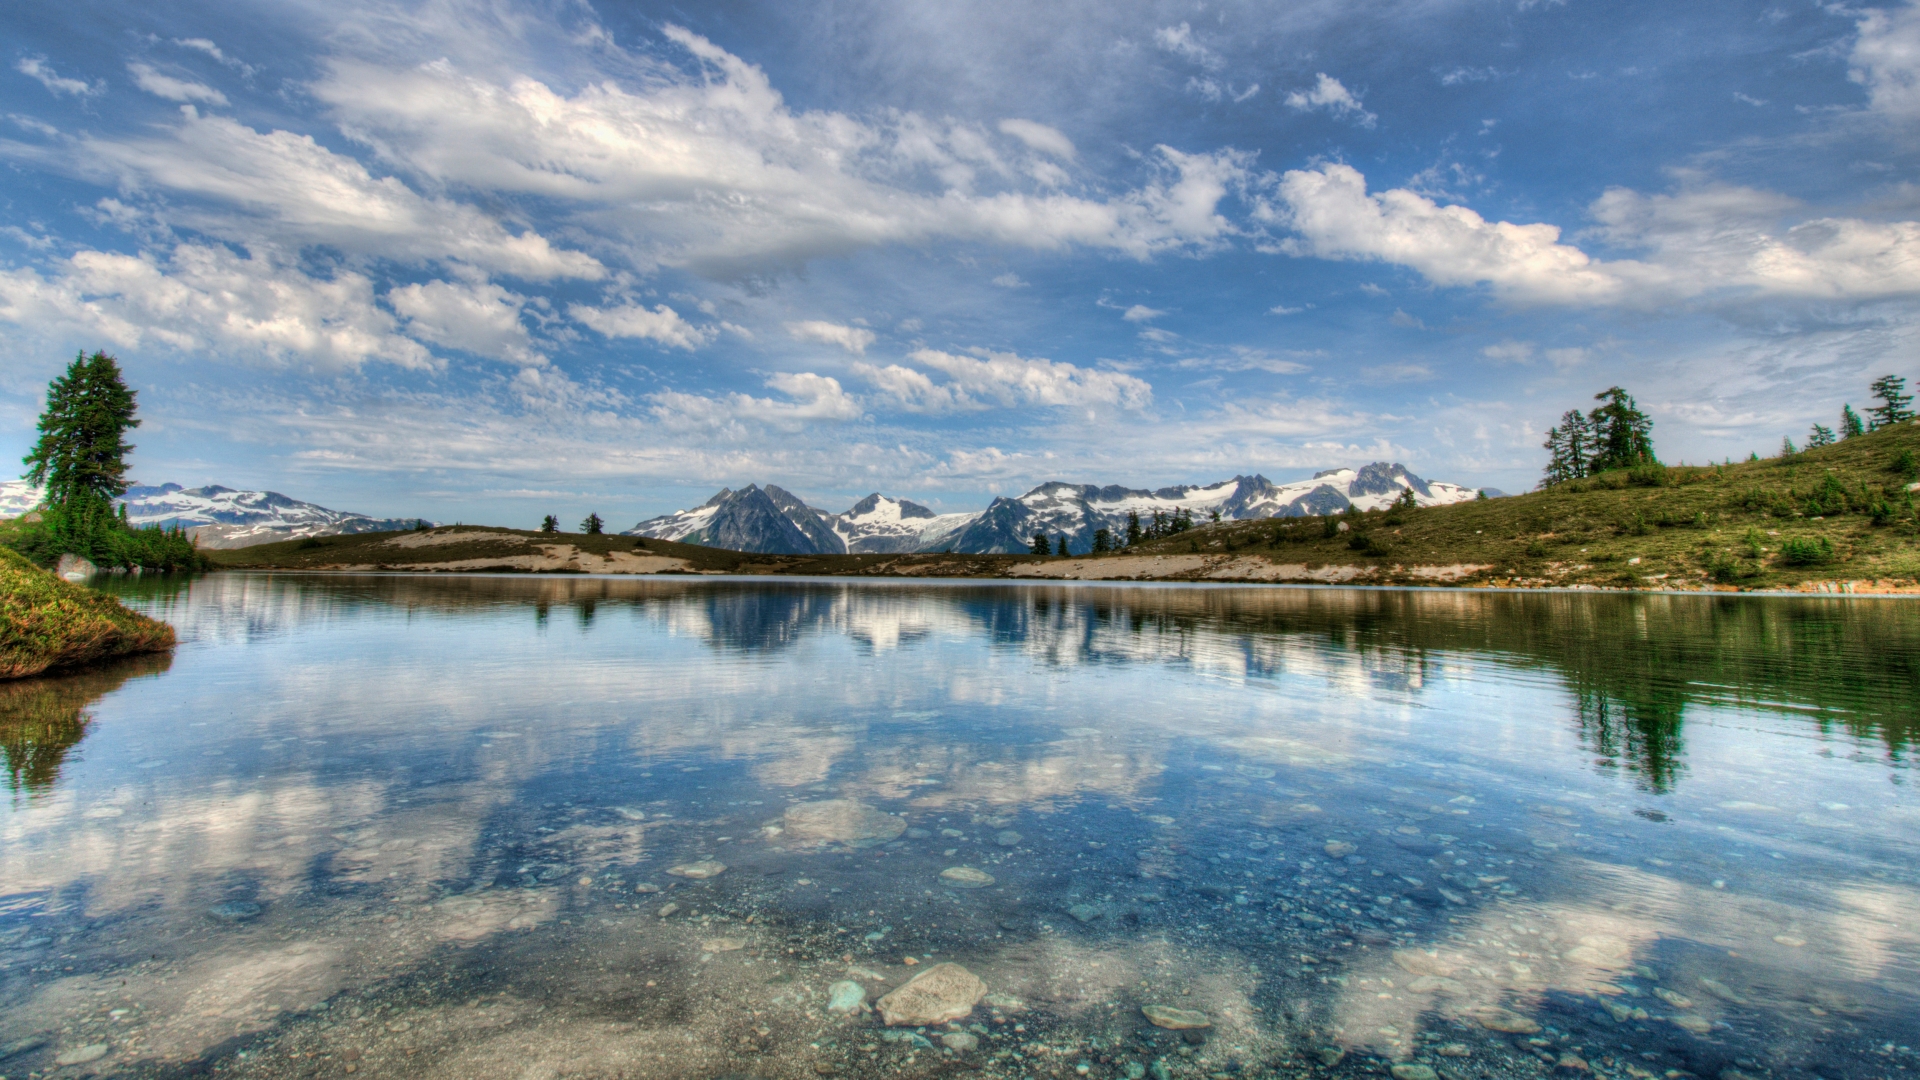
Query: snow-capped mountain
(772,520)
(220,517)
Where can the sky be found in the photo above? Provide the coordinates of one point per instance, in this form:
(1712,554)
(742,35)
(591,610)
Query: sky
(486,261)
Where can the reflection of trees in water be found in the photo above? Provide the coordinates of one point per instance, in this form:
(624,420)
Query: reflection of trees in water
(1633,663)
(42,719)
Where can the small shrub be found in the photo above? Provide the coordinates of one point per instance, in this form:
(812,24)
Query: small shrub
(1905,464)
(1359,541)
(1807,551)
(1614,481)
(1377,547)
(1700,520)
(1330,527)
(1755,544)
(1654,475)
(1536,549)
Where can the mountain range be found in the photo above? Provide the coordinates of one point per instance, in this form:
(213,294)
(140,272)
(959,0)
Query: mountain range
(220,517)
(773,520)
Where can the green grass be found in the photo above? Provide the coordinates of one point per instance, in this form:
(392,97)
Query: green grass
(1838,513)
(47,623)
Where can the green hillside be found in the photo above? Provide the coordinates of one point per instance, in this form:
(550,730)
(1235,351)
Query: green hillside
(47,623)
(1842,512)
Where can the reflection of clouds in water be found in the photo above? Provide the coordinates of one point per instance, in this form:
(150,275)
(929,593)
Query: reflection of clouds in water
(421,750)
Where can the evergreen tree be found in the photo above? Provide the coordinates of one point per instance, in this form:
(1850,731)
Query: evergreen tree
(1040,544)
(1060,545)
(1213,516)
(1133,527)
(549,524)
(1622,434)
(1895,402)
(1102,540)
(82,453)
(593,526)
(1570,447)
(1850,424)
(1820,436)
(1786,447)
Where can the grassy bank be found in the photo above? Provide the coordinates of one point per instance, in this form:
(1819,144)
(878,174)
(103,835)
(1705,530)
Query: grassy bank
(46,623)
(1838,514)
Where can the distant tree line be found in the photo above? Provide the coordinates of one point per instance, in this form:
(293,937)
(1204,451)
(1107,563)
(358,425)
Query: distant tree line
(1896,407)
(1613,435)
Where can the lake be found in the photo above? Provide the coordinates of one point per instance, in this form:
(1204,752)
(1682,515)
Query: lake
(681,827)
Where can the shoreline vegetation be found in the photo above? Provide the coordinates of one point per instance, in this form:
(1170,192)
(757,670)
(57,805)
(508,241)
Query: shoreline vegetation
(49,625)
(1836,518)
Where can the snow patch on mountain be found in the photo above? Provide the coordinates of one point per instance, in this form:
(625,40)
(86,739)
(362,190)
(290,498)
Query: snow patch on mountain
(220,517)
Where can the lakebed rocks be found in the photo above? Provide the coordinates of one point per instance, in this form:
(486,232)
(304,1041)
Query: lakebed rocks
(1174,1019)
(698,871)
(840,821)
(941,993)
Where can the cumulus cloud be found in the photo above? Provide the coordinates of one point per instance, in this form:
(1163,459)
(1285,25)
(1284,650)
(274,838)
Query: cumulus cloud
(206,299)
(482,319)
(1886,60)
(1715,241)
(851,338)
(710,168)
(1009,280)
(1141,313)
(1451,245)
(1180,41)
(811,398)
(662,324)
(166,86)
(232,181)
(1040,137)
(989,378)
(1328,93)
(37,69)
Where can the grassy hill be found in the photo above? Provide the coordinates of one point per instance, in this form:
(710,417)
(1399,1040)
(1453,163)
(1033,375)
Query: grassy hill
(47,623)
(1843,512)
(1840,513)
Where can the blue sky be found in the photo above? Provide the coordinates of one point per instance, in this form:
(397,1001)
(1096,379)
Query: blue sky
(482,261)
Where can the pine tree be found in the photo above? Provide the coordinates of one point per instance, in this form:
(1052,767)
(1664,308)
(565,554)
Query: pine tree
(1133,527)
(592,526)
(1102,540)
(1040,544)
(1820,436)
(1571,447)
(1786,447)
(1622,434)
(1060,545)
(81,456)
(1895,402)
(549,524)
(1850,424)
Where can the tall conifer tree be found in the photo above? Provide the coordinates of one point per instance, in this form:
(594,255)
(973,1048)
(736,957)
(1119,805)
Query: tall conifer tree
(81,456)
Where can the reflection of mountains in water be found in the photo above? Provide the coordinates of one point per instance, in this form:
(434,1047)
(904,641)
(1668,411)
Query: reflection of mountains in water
(1632,662)
(42,719)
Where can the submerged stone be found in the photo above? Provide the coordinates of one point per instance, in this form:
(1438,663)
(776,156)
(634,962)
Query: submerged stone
(1173,1019)
(941,993)
(960,1041)
(966,877)
(1415,962)
(1506,1021)
(1413,1071)
(235,910)
(723,944)
(1007,838)
(841,821)
(699,871)
(846,996)
(80,1055)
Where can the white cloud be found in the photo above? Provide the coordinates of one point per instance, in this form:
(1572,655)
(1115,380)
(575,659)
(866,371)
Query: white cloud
(709,168)
(1040,137)
(1337,219)
(1886,60)
(1405,321)
(1568,357)
(205,299)
(37,68)
(851,338)
(481,319)
(1180,41)
(662,324)
(1509,352)
(1703,241)
(1009,280)
(1005,379)
(1141,313)
(1282,309)
(813,398)
(166,86)
(288,189)
(1328,93)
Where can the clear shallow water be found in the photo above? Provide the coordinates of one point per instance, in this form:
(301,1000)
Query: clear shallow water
(403,825)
